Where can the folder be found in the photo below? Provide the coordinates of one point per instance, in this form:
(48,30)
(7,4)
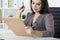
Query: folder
(17,26)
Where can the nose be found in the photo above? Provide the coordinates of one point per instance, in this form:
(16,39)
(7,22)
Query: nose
(35,6)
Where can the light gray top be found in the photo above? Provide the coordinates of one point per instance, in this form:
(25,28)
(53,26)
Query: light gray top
(44,23)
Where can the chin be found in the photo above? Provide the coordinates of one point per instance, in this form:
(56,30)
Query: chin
(35,11)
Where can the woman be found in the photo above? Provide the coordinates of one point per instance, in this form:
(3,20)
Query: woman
(39,20)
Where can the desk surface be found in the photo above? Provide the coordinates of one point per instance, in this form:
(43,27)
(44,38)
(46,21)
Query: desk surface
(27,38)
(14,37)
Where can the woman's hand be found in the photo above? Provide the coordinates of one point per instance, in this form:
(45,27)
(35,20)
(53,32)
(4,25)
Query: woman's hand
(28,30)
(32,32)
(20,10)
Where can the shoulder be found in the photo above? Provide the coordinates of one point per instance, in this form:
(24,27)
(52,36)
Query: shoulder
(48,15)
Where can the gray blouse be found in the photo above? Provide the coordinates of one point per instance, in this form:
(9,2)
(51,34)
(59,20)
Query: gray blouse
(44,23)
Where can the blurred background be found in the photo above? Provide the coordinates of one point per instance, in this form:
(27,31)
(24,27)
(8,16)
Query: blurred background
(8,9)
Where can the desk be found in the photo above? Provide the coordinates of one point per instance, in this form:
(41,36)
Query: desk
(27,38)
(14,37)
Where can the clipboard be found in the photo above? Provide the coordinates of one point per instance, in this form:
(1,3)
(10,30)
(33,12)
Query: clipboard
(16,25)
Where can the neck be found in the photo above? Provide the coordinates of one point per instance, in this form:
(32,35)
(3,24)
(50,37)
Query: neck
(37,13)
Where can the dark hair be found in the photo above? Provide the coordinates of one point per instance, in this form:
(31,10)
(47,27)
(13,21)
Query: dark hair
(45,7)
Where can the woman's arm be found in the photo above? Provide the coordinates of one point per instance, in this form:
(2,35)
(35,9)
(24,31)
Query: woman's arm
(49,24)
(20,10)
(26,19)
(27,28)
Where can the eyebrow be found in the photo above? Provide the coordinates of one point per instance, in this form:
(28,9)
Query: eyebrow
(34,2)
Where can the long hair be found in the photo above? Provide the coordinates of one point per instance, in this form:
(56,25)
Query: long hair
(45,7)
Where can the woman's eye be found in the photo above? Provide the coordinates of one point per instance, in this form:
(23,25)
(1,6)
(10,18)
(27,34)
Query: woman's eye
(32,3)
(38,4)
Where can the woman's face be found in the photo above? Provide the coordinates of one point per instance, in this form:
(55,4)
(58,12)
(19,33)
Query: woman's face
(36,5)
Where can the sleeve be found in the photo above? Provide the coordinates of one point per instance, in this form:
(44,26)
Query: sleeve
(49,23)
(26,19)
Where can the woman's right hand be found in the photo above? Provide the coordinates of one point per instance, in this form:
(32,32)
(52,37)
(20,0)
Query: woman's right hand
(28,30)
(20,10)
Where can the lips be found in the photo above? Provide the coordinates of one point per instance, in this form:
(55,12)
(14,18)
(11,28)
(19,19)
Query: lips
(35,9)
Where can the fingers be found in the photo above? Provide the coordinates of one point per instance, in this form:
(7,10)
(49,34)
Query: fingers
(21,7)
(27,27)
(28,30)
